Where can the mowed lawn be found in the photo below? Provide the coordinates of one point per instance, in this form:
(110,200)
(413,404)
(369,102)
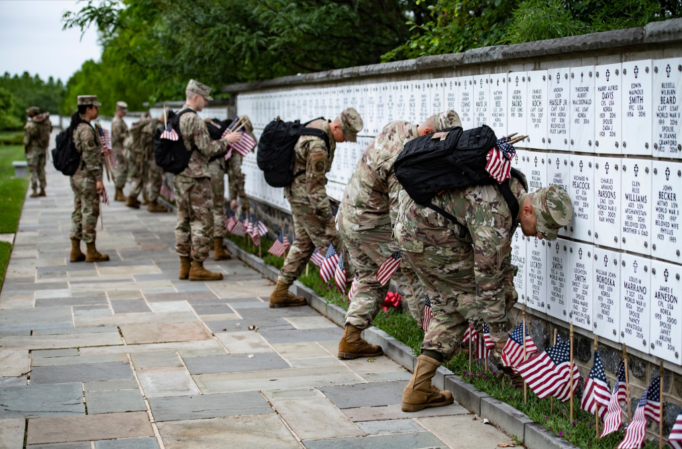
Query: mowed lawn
(12,194)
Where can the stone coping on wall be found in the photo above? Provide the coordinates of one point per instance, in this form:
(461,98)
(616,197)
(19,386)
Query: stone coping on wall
(652,35)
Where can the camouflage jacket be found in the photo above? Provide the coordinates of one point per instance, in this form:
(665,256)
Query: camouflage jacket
(489,228)
(195,135)
(119,131)
(87,143)
(147,138)
(236,176)
(312,157)
(37,132)
(371,196)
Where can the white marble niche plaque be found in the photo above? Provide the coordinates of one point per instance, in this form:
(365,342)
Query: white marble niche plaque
(606,307)
(559,109)
(581,191)
(666,311)
(638,108)
(607,197)
(537,171)
(557,279)
(481,100)
(536,276)
(558,174)
(537,110)
(466,101)
(608,108)
(635,278)
(517,95)
(667,102)
(518,258)
(498,104)
(636,200)
(582,109)
(580,284)
(666,238)
(450,89)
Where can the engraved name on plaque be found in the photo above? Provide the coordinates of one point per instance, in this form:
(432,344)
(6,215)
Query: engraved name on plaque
(608,108)
(582,109)
(537,171)
(481,99)
(581,191)
(580,284)
(465,88)
(607,201)
(536,276)
(635,293)
(517,94)
(559,109)
(667,101)
(666,238)
(537,109)
(637,108)
(666,311)
(606,307)
(636,206)
(557,277)
(498,104)
(518,258)
(450,90)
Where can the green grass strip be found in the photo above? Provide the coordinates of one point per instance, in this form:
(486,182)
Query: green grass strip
(12,190)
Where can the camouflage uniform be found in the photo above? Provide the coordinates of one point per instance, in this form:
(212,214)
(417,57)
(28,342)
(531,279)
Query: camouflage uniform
(236,180)
(153,173)
(216,168)
(137,162)
(36,140)
(84,184)
(119,131)
(194,198)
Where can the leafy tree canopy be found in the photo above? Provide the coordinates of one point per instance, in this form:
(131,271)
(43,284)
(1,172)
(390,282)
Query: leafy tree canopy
(32,91)
(10,112)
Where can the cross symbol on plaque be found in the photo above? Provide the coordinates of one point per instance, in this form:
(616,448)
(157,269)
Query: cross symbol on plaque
(636,71)
(536,161)
(581,77)
(608,74)
(606,260)
(665,274)
(557,248)
(636,170)
(536,243)
(580,253)
(517,81)
(606,167)
(581,166)
(634,265)
(667,173)
(667,70)
(557,163)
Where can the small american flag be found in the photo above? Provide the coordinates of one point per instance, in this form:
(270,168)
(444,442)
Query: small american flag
(653,401)
(634,435)
(230,222)
(470,334)
(249,225)
(675,438)
(428,315)
(614,418)
(563,393)
(353,288)
(255,236)
(285,242)
(105,137)
(597,391)
(105,197)
(549,371)
(239,229)
(389,267)
(169,133)
(262,229)
(166,191)
(245,144)
(486,344)
(512,353)
(277,248)
(328,267)
(340,275)
(499,160)
(317,258)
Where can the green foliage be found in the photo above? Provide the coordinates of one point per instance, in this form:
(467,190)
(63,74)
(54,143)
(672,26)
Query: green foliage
(5,252)
(12,190)
(537,20)
(12,138)
(33,91)
(10,113)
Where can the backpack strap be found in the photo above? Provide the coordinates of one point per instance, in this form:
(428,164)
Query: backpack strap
(175,123)
(317,133)
(511,200)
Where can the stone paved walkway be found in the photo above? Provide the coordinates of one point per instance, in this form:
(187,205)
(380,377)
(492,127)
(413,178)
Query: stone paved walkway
(123,355)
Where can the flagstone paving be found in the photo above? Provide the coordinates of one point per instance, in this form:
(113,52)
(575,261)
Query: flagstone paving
(123,355)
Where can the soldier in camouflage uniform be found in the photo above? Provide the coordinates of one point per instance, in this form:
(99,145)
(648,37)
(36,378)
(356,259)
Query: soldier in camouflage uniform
(153,173)
(86,182)
(36,139)
(307,196)
(119,131)
(137,162)
(365,224)
(464,265)
(193,193)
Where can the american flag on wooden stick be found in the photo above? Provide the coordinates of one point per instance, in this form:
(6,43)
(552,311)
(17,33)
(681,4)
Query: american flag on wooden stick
(675,438)
(317,258)
(331,260)
(636,430)
(340,275)
(614,418)
(470,334)
(428,315)
(512,353)
(547,372)
(277,248)
(105,197)
(563,393)
(389,267)
(244,145)
(169,133)
(230,221)
(486,344)
(596,392)
(499,160)
(239,229)
(262,229)
(105,137)
(285,242)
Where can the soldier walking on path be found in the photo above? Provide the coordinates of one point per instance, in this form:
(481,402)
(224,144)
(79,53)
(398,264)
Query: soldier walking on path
(119,131)
(36,140)
(193,194)
(86,183)
(313,220)
(466,269)
(365,224)
(154,173)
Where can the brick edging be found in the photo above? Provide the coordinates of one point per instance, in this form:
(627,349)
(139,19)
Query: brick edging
(499,413)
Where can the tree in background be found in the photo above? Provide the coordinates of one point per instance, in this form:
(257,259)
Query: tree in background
(25,91)
(10,112)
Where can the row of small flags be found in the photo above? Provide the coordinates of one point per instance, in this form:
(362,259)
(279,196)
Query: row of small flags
(483,345)
(250,226)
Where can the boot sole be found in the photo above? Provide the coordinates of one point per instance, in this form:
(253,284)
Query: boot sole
(409,408)
(355,355)
(277,306)
(183,278)
(77,260)
(104,259)
(192,278)
(218,259)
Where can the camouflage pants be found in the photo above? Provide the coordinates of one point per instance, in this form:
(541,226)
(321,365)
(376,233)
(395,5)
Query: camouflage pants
(121,170)
(216,169)
(194,228)
(35,159)
(85,208)
(312,231)
(154,180)
(138,176)
(367,249)
(237,180)
(447,273)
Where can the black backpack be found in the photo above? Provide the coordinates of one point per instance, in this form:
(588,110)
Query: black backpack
(216,133)
(171,155)
(65,156)
(276,155)
(447,160)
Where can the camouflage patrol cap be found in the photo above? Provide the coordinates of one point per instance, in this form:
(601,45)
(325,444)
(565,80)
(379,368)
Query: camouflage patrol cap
(351,124)
(446,119)
(33,109)
(122,105)
(88,100)
(553,209)
(200,89)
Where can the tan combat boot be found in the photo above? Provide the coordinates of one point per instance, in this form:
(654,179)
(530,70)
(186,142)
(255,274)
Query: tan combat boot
(119,196)
(353,346)
(197,272)
(281,297)
(132,202)
(76,253)
(220,252)
(185,263)
(92,255)
(34,194)
(144,200)
(154,207)
(42,192)
(419,393)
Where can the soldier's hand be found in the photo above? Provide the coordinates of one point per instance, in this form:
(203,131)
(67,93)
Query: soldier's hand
(233,205)
(233,137)
(100,187)
(106,151)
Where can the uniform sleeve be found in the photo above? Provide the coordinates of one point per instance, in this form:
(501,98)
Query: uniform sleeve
(117,134)
(236,177)
(91,152)
(31,134)
(202,140)
(316,176)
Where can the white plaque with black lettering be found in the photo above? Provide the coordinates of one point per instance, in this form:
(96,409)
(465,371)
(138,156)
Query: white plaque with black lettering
(666,239)
(638,108)
(557,278)
(481,99)
(450,89)
(357,101)
(465,86)
(392,93)
(558,174)
(666,311)
(582,194)
(608,108)
(606,307)
(635,291)
(436,97)
(537,110)
(402,100)
(537,171)
(667,101)
(520,162)
(636,200)
(580,288)
(498,104)
(413,99)
(582,109)
(380,109)
(424,101)
(338,104)
(559,94)
(517,95)
(536,289)
(518,258)
(370,110)
(607,201)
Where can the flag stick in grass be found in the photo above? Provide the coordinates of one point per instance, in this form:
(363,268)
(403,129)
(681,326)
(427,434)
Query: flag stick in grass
(627,382)
(570,343)
(596,403)
(525,384)
(551,403)
(471,337)
(660,408)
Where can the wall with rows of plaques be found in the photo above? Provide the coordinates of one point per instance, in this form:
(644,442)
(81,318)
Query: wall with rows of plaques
(607,129)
